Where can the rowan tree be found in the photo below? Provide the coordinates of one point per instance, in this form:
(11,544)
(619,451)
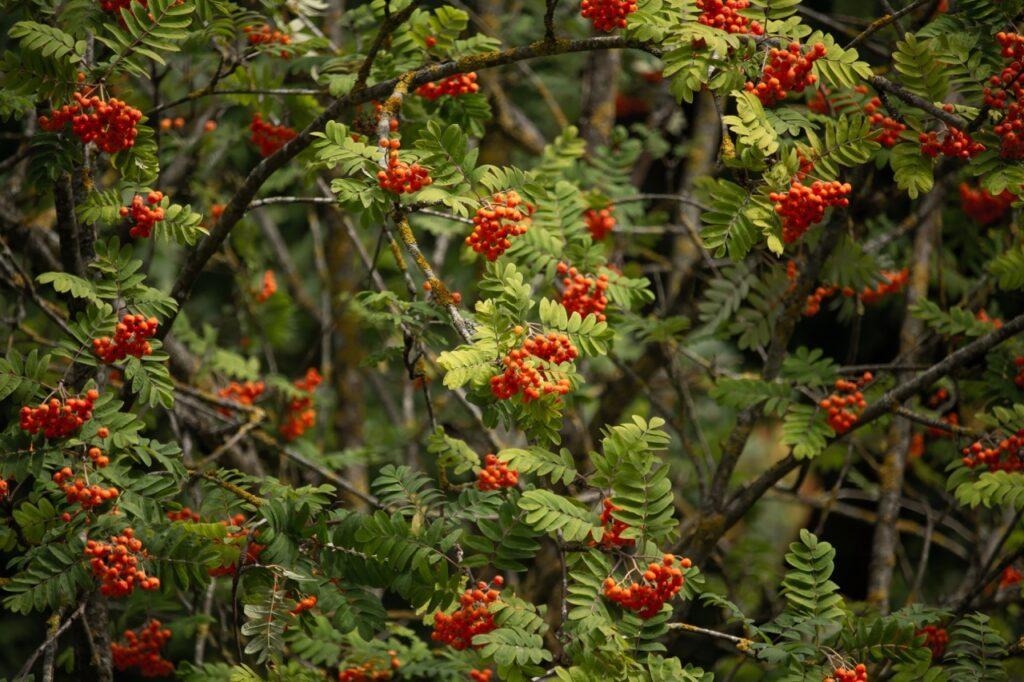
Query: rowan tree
(611,340)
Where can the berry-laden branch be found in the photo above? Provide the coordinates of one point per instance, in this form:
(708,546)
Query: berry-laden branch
(336,528)
(749,494)
(239,202)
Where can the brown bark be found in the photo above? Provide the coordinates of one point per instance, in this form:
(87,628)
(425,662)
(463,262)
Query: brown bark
(883,552)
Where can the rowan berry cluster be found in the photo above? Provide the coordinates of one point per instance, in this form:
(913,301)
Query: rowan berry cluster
(369,671)
(481,675)
(983,316)
(185,514)
(1006,94)
(787,71)
(1010,577)
(304,604)
(400,177)
(953,142)
(888,128)
(243,394)
(56,419)
(472,618)
(522,375)
(582,294)
(1018,362)
(269,137)
(300,414)
(452,86)
(116,564)
(857,674)
(936,639)
(142,650)
(503,216)
(600,223)
(496,474)
(3,489)
(845,403)
(660,582)
(607,15)
(726,16)
(89,496)
(814,300)
(1006,455)
(143,217)
(613,527)
(983,207)
(892,283)
(264,35)
(130,338)
(110,125)
(917,446)
(803,206)
(168,123)
(269,287)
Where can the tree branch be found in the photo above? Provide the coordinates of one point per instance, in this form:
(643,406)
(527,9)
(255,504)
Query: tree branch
(895,462)
(749,494)
(237,205)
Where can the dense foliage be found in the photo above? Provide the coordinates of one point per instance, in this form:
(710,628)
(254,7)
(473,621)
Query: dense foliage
(654,340)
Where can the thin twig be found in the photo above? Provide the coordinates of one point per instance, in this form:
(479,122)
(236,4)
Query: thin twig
(883,21)
(51,638)
(742,643)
